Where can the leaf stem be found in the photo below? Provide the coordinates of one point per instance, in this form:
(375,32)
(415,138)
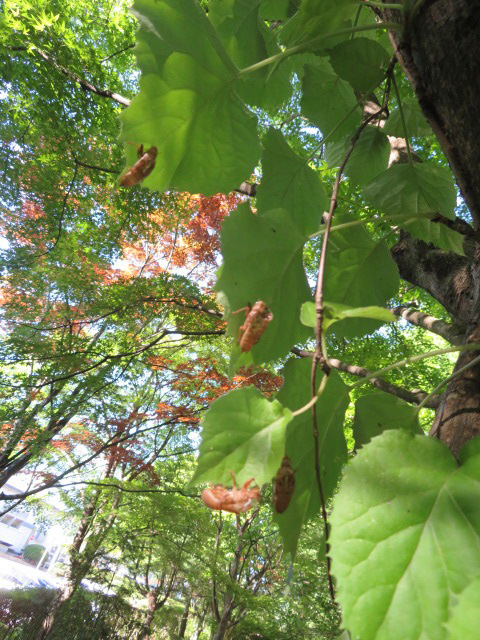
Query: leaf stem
(311,44)
(381,5)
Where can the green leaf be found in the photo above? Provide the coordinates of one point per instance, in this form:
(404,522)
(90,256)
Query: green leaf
(248,40)
(263,260)
(360,272)
(334,312)
(411,189)
(463,621)
(369,156)
(361,61)
(414,120)
(242,432)
(378,412)
(436,232)
(316,18)
(300,448)
(328,101)
(405,536)
(187,106)
(288,182)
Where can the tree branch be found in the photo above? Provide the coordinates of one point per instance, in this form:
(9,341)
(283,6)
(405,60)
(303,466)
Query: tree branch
(414,397)
(420,319)
(84,84)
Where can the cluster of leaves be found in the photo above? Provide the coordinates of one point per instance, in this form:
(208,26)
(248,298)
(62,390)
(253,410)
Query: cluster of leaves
(203,79)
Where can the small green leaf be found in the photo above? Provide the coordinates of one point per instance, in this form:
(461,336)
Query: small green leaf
(414,120)
(405,536)
(360,272)
(435,232)
(242,432)
(334,312)
(361,61)
(378,412)
(263,260)
(410,189)
(328,101)
(369,156)
(463,621)
(288,182)
(187,106)
(300,448)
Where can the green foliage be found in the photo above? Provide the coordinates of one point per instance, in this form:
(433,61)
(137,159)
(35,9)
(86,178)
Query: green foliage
(267,250)
(300,446)
(328,101)
(245,433)
(405,523)
(334,312)
(378,412)
(410,189)
(415,122)
(360,272)
(360,61)
(33,552)
(187,106)
(369,156)
(229,89)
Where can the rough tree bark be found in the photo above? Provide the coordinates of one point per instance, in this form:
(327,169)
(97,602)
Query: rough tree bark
(439,49)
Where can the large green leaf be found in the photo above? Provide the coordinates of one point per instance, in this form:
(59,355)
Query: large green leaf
(316,18)
(463,622)
(288,182)
(300,446)
(248,40)
(328,101)
(405,536)
(242,432)
(436,232)
(415,122)
(187,106)
(361,61)
(369,156)
(360,272)
(378,412)
(263,261)
(410,189)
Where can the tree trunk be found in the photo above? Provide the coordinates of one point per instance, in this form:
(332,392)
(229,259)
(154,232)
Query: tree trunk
(438,50)
(227,611)
(80,562)
(151,608)
(184,620)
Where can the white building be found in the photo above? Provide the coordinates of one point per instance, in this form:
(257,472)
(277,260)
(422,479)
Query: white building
(18,528)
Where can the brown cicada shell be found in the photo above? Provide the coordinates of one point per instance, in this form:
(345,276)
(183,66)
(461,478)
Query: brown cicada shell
(258,318)
(142,168)
(233,500)
(283,486)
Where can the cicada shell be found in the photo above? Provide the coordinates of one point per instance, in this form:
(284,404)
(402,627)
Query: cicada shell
(283,486)
(258,318)
(142,168)
(233,500)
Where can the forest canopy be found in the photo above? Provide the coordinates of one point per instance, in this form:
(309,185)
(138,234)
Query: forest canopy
(239,263)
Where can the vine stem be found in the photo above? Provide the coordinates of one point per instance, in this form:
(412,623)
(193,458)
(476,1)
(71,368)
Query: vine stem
(320,356)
